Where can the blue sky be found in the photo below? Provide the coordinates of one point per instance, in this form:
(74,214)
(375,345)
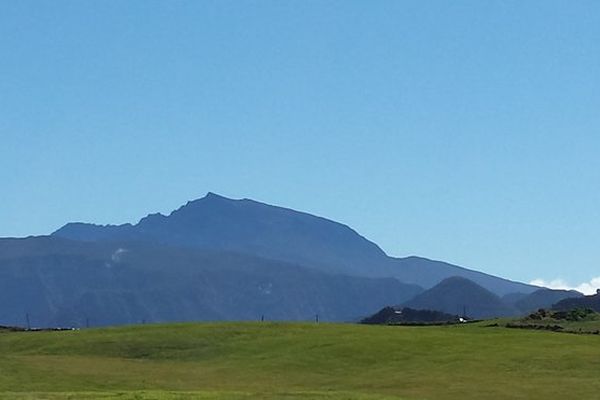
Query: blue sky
(466,131)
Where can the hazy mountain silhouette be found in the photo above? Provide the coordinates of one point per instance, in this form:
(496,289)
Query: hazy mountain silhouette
(250,227)
(512,298)
(69,283)
(222,259)
(456,295)
(246,226)
(592,302)
(544,298)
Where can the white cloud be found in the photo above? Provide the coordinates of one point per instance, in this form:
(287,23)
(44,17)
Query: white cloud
(585,287)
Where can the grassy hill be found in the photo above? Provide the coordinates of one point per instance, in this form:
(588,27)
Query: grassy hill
(298,361)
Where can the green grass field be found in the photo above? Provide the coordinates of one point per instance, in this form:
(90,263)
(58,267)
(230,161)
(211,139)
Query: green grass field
(299,361)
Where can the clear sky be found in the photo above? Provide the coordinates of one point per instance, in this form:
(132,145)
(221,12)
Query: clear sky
(466,131)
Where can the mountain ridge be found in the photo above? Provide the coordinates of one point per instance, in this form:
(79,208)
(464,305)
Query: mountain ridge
(253,227)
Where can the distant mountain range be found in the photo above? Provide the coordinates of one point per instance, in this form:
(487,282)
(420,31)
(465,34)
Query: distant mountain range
(460,296)
(246,226)
(221,259)
(65,283)
(544,298)
(592,302)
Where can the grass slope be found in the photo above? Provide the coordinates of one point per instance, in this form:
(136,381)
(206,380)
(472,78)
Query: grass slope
(298,361)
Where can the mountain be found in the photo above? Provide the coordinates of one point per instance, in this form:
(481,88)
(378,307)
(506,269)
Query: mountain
(427,273)
(59,282)
(456,295)
(246,226)
(250,227)
(591,302)
(512,298)
(544,298)
(222,259)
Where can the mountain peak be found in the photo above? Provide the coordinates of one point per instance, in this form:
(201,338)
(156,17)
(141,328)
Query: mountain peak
(210,199)
(457,280)
(456,295)
(251,227)
(215,196)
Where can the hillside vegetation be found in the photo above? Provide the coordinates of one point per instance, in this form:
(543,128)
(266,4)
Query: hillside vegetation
(585,321)
(298,361)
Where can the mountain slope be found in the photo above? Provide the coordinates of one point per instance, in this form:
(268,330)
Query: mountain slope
(544,298)
(592,302)
(69,283)
(427,273)
(456,295)
(246,226)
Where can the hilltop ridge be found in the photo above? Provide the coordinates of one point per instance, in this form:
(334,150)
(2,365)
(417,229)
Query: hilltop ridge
(247,226)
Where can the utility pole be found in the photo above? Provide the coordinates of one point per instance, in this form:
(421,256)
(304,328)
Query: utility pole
(28,322)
